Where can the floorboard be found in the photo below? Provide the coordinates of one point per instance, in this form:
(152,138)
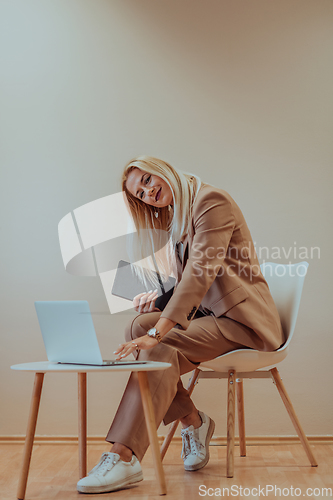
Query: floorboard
(54,473)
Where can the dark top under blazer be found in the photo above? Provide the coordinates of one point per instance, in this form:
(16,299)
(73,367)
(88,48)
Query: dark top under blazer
(220,271)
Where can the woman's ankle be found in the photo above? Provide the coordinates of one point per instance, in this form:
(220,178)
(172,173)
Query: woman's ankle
(191,419)
(124,453)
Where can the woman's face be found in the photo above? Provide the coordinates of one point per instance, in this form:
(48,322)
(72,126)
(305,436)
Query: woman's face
(149,188)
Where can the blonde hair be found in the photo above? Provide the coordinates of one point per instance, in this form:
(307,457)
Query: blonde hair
(171,225)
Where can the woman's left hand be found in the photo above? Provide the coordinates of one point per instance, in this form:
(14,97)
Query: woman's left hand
(127,348)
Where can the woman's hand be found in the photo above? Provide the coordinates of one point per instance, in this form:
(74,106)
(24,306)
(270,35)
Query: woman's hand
(145,302)
(145,342)
(127,348)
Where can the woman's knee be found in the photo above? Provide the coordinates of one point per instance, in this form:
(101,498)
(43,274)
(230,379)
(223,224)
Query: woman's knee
(129,329)
(138,326)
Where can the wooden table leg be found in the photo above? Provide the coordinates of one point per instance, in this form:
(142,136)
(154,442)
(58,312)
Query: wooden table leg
(82,393)
(241,418)
(29,440)
(292,414)
(151,427)
(231,423)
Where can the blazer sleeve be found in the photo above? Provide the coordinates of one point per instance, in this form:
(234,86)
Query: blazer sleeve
(213,222)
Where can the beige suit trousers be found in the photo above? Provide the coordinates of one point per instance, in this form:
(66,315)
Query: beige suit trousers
(184,349)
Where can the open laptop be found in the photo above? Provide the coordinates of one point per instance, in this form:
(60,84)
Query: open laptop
(69,334)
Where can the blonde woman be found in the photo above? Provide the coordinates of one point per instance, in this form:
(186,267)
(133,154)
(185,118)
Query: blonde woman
(221,302)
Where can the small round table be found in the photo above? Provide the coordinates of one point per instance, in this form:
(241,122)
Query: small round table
(42,367)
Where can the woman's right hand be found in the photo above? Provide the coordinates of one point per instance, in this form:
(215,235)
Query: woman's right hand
(145,302)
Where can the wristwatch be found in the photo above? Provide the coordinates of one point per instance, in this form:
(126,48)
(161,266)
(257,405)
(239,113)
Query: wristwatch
(155,334)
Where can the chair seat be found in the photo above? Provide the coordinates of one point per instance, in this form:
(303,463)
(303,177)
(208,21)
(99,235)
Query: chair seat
(245,360)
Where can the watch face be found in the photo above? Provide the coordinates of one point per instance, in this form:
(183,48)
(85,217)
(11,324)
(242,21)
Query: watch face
(152,332)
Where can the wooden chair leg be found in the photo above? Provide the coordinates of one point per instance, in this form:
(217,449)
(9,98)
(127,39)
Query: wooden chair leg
(241,418)
(231,423)
(151,427)
(174,425)
(82,400)
(29,440)
(286,400)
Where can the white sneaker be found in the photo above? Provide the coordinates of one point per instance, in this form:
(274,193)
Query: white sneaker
(111,474)
(195,452)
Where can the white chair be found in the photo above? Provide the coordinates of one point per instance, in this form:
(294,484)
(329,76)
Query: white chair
(285,283)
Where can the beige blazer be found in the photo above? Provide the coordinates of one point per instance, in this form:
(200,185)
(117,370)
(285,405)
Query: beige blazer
(220,273)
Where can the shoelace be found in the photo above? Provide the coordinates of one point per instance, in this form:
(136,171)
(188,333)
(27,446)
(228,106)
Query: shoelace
(191,443)
(186,449)
(106,463)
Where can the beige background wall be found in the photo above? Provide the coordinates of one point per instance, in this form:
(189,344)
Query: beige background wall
(238,92)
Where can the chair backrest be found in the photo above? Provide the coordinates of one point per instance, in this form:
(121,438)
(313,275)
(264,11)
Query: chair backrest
(285,282)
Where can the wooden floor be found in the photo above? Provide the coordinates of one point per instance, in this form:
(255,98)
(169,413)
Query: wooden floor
(54,473)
